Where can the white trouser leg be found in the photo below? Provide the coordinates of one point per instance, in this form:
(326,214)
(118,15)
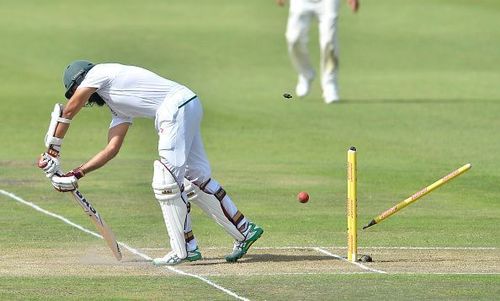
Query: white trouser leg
(328,16)
(177,129)
(299,21)
(197,167)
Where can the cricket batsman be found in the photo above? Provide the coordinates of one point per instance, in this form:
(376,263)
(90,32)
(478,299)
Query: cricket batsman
(181,175)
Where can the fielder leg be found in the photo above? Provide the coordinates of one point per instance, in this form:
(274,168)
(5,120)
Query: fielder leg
(329,64)
(299,21)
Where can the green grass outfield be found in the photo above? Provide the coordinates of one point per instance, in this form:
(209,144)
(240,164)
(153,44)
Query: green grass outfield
(420,87)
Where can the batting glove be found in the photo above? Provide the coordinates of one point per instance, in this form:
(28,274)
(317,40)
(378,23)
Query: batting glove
(68,181)
(50,165)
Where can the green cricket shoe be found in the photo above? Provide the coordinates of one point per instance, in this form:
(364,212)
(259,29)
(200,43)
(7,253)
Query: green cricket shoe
(172,258)
(241,247)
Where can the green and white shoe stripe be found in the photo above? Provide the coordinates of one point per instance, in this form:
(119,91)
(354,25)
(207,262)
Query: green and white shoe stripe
(241,248)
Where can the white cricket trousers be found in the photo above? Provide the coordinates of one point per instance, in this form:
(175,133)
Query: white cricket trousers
(297,34)
(180,146)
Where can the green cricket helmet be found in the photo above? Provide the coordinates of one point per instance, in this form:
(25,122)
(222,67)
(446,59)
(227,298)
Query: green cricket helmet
(74,75)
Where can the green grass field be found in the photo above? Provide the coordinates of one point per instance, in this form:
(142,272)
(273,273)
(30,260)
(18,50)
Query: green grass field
(420,86)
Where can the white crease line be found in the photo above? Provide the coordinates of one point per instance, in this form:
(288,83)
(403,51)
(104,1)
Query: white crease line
(430,248)
(134,251)
(285,274)
(344,248)
(350,273)
(355,263)
(375,248)
(446,273)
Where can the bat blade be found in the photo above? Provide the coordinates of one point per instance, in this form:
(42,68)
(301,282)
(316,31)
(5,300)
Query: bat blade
(100,224)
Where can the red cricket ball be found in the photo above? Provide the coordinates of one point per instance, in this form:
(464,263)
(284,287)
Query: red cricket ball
(303,197)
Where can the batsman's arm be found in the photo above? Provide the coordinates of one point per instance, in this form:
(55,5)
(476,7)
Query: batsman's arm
(75,103)
(58,126)
(116,136)
(68,181)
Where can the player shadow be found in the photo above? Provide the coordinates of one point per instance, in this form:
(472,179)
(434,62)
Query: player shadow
(255,258)
(286,258)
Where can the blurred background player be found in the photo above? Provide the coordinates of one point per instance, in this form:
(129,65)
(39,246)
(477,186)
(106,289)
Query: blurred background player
(182,175)
(297,35)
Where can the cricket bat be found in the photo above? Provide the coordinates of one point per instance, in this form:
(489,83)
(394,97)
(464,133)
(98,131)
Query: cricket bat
(101,226)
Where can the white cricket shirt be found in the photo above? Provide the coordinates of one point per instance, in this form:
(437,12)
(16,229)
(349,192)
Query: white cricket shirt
(131,91)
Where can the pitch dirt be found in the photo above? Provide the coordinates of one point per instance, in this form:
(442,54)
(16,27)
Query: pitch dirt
(261,261)
(72,262)
(96,260)
(435,260)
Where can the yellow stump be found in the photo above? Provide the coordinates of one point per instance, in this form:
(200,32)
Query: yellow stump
(352,234)
(417,195)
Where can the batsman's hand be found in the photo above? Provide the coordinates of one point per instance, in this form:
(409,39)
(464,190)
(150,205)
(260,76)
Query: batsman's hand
(50,165)
(68,181)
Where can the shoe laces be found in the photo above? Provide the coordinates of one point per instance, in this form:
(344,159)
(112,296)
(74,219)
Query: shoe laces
(238,245)
(171,256)
(174,258)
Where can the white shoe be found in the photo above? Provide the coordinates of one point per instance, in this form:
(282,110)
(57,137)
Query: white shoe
(331,95)
(332,99)
(303,86)
(172,258)
(240,248)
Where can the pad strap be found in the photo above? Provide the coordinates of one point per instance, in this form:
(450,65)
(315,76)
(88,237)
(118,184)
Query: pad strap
(212,205)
